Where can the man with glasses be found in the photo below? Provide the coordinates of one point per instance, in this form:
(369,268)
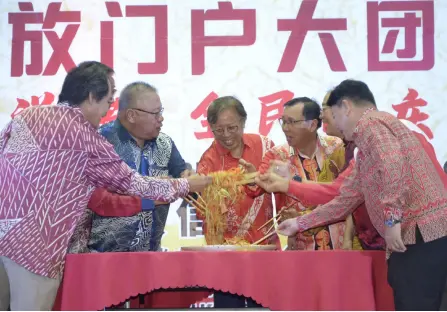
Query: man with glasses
(310,157)
(137,139)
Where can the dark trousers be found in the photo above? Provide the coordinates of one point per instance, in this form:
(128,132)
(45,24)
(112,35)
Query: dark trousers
(418,275)
(223,300)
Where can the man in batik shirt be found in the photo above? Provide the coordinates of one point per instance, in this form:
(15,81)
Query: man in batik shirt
(51,160)
(309,156)
(137,139)
(404,189)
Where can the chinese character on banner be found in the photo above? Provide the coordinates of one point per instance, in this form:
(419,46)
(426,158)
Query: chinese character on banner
(60,45)
(46,99)
(272,108)
(200,111)
(408,57)
(225,12)
(300,26)
(111,113)
(160,15)
(411,104)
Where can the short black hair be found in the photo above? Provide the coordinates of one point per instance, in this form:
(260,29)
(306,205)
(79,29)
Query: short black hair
(311,108)
(128,93)
(445,167)
(357,91)
(88,77)
(223,103)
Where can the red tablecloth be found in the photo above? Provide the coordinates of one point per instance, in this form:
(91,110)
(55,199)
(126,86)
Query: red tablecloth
(292,280)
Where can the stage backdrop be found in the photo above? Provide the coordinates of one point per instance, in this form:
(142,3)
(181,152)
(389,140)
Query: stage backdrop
(264,52)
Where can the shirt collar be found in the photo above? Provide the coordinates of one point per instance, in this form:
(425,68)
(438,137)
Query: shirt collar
(320,143)
(357,126)
(125,136)
(223,151)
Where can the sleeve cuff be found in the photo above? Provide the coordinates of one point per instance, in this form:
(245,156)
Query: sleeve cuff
(147,204)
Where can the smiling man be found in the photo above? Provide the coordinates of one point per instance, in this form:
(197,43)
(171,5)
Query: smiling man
(309,156)
(136,137)
(404,189)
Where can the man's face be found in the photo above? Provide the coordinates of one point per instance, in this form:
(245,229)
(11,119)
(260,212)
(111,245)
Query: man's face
(145,114)
(295,127)
(342,115)
(98,109)
(229,129)
(328,120)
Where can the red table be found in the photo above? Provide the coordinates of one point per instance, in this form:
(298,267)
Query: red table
(292,280)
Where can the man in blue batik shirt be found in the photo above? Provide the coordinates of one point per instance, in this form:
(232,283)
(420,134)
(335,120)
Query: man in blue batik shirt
(136,136)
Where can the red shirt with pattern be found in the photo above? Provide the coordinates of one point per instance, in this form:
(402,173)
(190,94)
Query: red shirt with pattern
(244,218)
(51,160)
(306,168)
(396,174)
(322,193)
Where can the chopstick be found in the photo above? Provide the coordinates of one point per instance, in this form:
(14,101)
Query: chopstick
(264,238)
(273,224)
(277,216)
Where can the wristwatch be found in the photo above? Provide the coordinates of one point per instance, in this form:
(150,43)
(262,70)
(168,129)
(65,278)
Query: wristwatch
(392,221)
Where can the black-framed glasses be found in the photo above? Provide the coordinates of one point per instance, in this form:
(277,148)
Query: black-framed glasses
(283,122)
(221,131)
(156,114)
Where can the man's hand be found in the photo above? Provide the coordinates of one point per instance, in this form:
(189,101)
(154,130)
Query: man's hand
(197,183)
(281,168)
(393,238)
(249,167)
(187,173)
(271,182)
(288,227)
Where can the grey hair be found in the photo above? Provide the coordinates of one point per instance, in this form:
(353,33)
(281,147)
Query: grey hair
(126,96)
(224,103)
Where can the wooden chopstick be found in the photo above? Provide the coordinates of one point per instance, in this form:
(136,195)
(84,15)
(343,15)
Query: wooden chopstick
(270,220)
(197,204)
(279,214)
(200,198)
(273,224)
(264,238)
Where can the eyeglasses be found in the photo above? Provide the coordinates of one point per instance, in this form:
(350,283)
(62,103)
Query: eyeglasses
(221,131)
(283,122)
(156,114)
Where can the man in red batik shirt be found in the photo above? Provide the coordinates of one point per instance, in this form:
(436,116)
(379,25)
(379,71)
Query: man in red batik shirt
(226,117)
(403,186)
(51,160)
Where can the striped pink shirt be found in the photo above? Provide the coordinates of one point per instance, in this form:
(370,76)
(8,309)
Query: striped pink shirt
(51,160)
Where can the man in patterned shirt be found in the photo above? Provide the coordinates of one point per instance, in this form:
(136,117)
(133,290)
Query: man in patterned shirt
(51,160)
(137,139)
(404,189)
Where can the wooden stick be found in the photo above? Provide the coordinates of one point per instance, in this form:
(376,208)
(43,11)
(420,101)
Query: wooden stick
(198,205)
(273,224)
(243,182)
(270,220)
(264,238)
(190,202)
(201,199)
(279,214)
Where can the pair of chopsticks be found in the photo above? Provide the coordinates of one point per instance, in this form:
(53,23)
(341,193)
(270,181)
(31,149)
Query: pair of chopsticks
(200,206)
(265,237)
(275,218)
